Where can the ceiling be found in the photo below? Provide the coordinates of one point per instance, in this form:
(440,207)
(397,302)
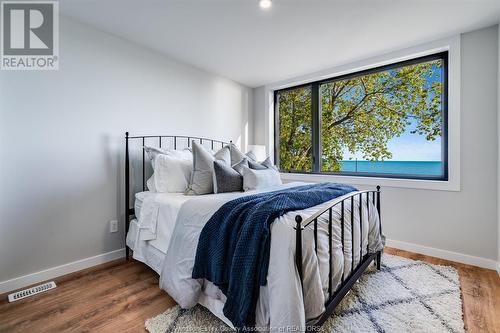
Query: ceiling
(238,40)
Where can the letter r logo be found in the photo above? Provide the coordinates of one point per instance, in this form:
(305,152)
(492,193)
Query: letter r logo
(27,28)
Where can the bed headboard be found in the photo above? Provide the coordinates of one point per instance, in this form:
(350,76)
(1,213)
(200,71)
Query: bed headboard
(160,141)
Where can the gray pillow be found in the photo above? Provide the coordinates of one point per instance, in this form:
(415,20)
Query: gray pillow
(203,168)
(256,165)
(237,155)
(251,156)
(239,166)
(268,164)
(226,178)
(260,179)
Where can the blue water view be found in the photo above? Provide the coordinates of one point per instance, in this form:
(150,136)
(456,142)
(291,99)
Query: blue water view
(428,168)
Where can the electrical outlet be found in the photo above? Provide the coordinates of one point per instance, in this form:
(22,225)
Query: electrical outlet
(113,226)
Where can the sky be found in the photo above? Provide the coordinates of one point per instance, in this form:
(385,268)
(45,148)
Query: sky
(409,147)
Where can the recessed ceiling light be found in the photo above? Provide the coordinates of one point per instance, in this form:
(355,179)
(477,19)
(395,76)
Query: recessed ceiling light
(265,4)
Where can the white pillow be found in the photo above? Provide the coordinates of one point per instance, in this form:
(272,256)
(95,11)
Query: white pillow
(259,179)
(150,183)
(171,173)
(152,152)
(171,168)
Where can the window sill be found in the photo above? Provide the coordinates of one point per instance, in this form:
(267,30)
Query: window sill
(436,185)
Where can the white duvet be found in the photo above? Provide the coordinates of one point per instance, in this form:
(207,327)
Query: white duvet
(282,302)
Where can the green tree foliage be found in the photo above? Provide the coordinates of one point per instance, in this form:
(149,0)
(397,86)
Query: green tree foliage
(295,129)
(360,114)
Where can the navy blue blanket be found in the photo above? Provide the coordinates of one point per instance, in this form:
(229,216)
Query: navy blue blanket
(234,246)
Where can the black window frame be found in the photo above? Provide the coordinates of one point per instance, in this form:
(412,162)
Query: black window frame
(316,120)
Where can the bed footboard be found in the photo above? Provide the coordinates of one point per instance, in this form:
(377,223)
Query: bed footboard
(334,297)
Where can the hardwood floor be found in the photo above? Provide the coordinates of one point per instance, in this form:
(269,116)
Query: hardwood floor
(114,297)
(119,296)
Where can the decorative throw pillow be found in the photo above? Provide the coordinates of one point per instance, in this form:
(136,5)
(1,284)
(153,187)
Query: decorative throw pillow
(268,164)
(260,179)
(239,166)
(237,155)
(251,156)
(226,179)
(256,165)
(203,168)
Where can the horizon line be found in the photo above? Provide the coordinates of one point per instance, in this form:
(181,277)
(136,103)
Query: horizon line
(392,161)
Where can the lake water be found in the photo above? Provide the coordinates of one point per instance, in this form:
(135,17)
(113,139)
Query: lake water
(433,168)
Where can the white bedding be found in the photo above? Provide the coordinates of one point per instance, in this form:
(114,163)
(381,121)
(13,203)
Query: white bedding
(139,198)
(156,215)
(150,255)
(171,223)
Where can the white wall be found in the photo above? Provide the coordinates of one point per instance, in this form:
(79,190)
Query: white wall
(498,128)
(464,222)
(62,141)
(258,124)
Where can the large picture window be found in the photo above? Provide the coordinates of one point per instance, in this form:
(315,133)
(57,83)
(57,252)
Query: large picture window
(388,121)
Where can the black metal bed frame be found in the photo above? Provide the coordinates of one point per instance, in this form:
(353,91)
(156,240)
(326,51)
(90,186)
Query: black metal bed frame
(334,297)
(175,139)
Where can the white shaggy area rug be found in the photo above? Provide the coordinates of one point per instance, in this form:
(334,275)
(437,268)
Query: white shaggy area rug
(405,296)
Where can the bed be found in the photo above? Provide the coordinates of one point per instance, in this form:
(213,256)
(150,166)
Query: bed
(316,255)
